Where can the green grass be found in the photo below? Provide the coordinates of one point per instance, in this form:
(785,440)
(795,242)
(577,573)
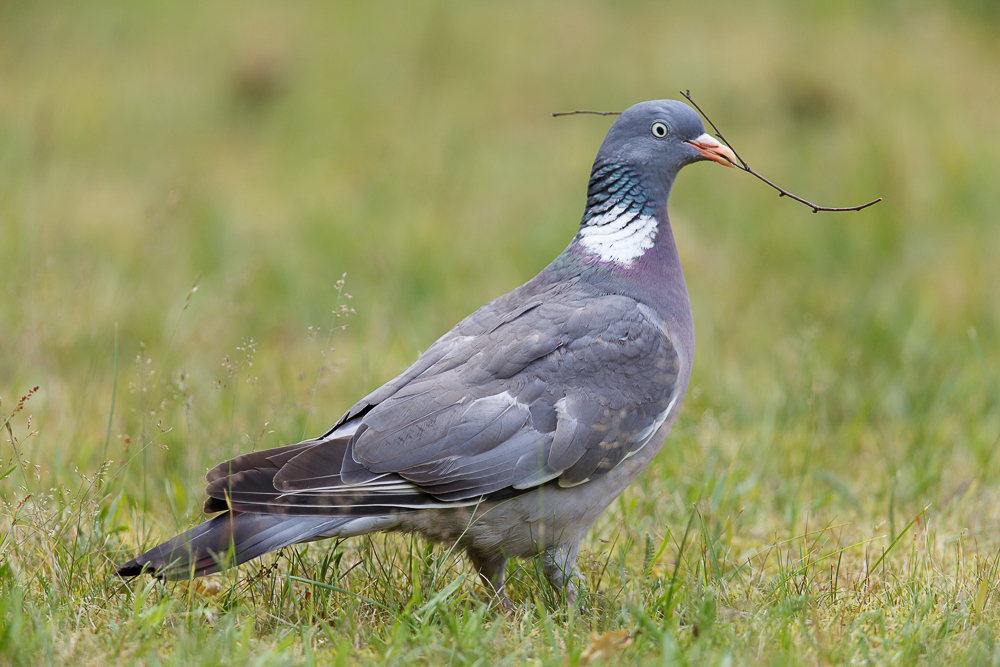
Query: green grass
(830,492)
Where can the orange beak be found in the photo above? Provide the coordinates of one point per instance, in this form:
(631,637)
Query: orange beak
(712,150)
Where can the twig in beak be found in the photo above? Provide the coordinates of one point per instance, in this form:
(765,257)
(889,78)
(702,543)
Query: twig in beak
(781,191)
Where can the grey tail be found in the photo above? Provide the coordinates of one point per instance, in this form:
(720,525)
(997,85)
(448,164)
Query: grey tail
(228,540)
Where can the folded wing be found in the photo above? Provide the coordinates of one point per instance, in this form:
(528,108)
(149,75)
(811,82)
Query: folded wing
(515,396)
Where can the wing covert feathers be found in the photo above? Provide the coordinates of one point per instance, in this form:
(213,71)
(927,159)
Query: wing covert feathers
(513,397)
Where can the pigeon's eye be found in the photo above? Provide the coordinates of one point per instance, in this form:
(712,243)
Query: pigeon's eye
(659,129)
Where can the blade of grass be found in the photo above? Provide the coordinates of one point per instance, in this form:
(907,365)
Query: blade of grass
(338,589)
(111,413)
(892,544)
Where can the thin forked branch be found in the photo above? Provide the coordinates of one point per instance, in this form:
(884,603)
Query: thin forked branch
(745,167)
(594,113)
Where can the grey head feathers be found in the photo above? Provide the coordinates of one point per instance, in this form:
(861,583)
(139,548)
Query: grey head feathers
(651,139)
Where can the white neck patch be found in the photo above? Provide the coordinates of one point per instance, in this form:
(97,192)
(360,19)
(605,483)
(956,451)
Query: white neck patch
(617,237)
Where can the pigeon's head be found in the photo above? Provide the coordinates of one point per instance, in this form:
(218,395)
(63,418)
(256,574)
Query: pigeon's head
(657,138)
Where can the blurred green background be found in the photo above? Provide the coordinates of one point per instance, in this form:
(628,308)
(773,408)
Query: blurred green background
(847,363)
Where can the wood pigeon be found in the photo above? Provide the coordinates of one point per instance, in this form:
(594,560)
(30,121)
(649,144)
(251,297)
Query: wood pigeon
(515,430)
